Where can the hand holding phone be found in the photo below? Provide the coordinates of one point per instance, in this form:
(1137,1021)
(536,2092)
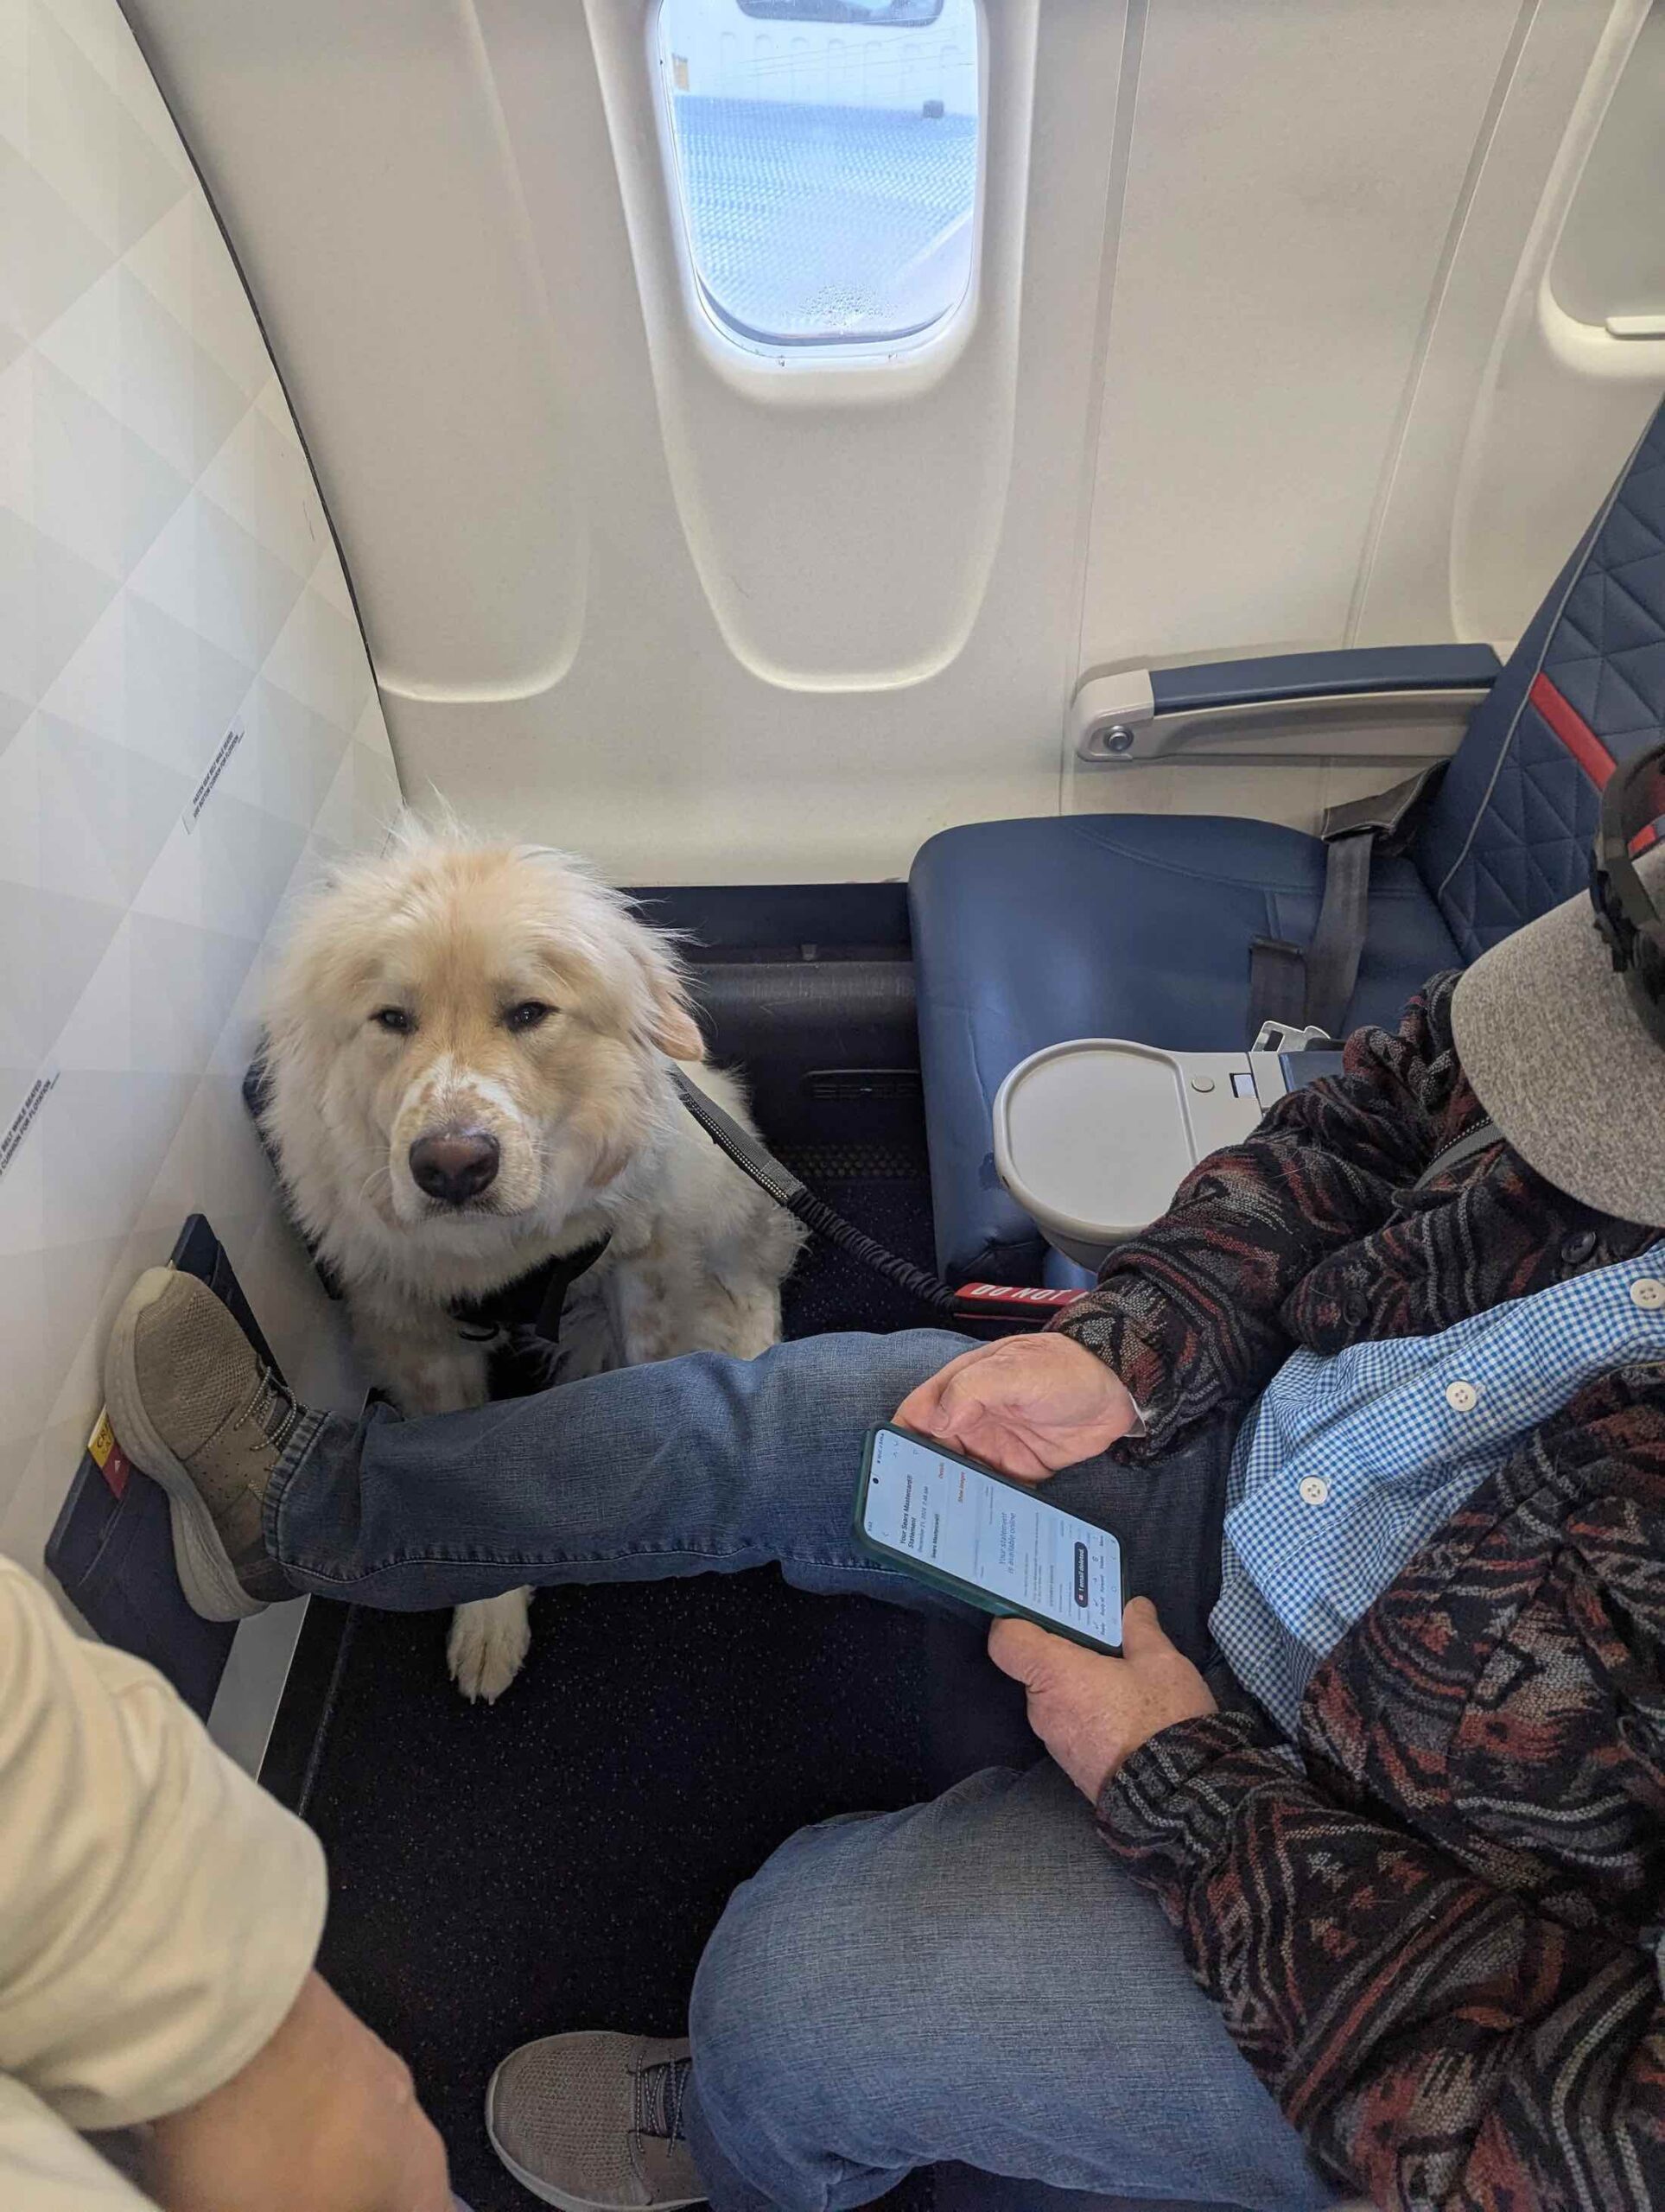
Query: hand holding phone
(993,1542)
(1093,1713)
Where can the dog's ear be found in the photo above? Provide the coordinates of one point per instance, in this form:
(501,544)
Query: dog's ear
(670,1023)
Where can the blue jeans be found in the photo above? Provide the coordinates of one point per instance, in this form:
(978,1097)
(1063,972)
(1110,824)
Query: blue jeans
(973,1980)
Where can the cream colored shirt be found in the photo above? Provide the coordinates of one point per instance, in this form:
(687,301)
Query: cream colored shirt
(158,1911)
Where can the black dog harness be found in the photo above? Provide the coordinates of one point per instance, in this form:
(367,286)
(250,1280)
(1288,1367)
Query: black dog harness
(533,1302)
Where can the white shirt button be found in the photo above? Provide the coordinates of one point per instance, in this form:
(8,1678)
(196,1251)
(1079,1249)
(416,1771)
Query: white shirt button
(1314,1489)
(1649,1292)
(1462,1397)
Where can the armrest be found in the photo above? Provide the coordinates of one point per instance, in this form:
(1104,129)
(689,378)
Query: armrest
(1398,702)
(1323,675)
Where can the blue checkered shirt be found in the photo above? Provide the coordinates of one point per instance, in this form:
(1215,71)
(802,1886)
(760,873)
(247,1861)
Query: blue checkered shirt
(1349,1464)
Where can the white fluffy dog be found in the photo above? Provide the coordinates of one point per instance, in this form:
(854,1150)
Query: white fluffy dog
(468,1055)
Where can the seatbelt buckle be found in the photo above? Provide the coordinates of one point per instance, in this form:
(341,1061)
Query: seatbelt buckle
(1384,814)
(1289,1036)
(1020,1305)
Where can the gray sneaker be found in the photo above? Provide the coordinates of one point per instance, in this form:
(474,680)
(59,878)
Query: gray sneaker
(593,2122)
(191,1399)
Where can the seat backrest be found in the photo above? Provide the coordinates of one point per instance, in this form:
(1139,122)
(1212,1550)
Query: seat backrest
(1507,835)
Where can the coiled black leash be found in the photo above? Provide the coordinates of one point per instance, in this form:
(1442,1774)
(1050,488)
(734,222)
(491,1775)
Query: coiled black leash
(783,1187)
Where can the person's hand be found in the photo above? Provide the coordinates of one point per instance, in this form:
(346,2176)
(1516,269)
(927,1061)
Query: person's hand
(324,2116)
(1026,1406)
(1093,1712)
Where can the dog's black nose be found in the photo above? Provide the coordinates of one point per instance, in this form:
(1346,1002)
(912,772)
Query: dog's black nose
(455,1165)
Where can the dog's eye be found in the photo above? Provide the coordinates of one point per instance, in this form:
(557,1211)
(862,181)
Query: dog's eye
(394,1019)
(527,1015)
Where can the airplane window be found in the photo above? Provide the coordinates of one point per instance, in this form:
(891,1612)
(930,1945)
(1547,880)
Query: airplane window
(845,11)
(826,163)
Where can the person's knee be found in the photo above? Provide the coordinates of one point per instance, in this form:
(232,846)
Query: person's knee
(812,2000)
(792,2005)
(861,1944)
(845,1379)
(802,1408)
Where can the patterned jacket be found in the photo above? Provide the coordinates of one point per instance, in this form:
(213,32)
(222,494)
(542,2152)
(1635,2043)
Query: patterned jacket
(1433,1926)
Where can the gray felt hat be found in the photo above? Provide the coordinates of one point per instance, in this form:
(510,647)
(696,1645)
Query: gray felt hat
(1559,1058)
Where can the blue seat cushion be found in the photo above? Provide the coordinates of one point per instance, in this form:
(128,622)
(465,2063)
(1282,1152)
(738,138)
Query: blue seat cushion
(1025,933)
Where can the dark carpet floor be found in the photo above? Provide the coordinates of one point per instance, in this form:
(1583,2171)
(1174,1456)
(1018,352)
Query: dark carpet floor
(558,1861)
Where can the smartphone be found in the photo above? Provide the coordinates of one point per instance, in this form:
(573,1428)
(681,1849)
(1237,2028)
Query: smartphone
(994,1542)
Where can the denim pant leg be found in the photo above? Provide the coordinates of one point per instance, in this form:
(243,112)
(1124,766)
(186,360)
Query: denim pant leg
(974,1980)
(682,1467)
(685,1466)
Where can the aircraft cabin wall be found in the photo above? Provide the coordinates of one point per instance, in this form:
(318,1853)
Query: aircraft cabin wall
(188,727)
(1285,327)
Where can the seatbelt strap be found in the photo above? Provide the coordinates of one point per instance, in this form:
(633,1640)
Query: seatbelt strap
(1480,1138)
(1277,986)
(1337,944)
(1312,986)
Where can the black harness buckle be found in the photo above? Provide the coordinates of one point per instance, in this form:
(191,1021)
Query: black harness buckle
(532,1303)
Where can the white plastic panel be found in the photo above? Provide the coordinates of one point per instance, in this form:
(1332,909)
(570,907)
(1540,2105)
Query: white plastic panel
(1607,263)
(429,383)
(1294,175)
(1229,382)
(1562,401)
(189,724)
(1406,590)
(820,620)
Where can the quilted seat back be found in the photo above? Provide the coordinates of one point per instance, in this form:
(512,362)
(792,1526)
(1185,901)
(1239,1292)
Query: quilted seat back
(1507,836)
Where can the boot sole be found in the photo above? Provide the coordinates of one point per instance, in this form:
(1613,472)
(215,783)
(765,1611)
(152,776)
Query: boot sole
(546,2193)
(206,1573)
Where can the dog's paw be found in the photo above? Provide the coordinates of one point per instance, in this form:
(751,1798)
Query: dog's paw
(488,1641)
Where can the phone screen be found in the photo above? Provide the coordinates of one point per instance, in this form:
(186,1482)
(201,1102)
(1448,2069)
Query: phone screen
(994,1536)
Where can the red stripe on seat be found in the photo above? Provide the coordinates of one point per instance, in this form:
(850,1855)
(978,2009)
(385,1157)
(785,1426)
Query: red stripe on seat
(1574,733)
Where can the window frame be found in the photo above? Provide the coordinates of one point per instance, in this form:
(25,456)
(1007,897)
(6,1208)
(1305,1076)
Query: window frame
(781,11)
(741,358)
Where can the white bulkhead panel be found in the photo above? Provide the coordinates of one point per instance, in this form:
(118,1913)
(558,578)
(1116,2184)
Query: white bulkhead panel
(1577,361)
(824,610)
(1239,369)
(188,726)
(1293,177)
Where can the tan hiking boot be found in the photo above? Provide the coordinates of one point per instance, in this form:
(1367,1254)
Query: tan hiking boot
(197,1408)
(593,2122)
